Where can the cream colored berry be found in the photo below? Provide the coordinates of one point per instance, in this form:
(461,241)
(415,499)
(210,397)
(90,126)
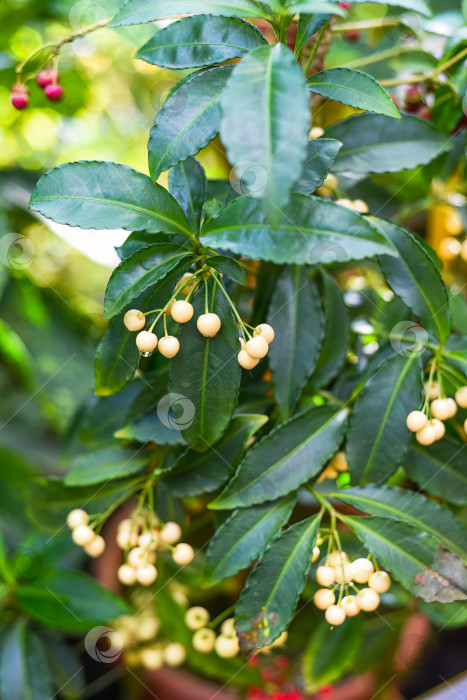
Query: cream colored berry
(427,436)
(336,559)
(182,311)
(146,574)
(335,615)
(183,281)
(242,342)
(126,574)
(134,320)
(228,627)
(380,581)
(171,532)
(183,554)
(147,627)
(343,573)
(323,598)
(443,408)
(151,658)
(245,360)
(461,397)
(339,461)
(169,346)
(432,390)
(147,540)
(76,517)
(350,604)
(226,647)
(362,570)
(325,575)
(82,535)
(126,538)
(439,428)
(368,599)
(343,202)
(146,341)
(330,181)
(316,132)
(203,640)
(416,420)
(95,547)
(281,640)
(257,347)
(174,654)
(315,555)
(197,617)
(360,206)
(208,325)
(264,330)
(137,556)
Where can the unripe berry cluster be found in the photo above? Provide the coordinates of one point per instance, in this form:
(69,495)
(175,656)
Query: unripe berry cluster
(429,430)
(336,465)
(337,572)
(257,347)
(83,535)
(205,640)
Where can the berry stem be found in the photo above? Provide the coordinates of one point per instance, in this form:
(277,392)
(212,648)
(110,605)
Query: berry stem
(221,617)
(232,305)
(432,76)
(206,299)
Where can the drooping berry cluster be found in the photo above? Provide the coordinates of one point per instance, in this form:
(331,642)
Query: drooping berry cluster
(47,80)
(83,534)
(205,640)
(428,424)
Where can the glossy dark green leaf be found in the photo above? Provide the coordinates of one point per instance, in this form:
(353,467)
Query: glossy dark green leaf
(307,26)
(143,269)
(70,601)
(320,156)
(257,118)
(410,507)
(201,40)
(331,652)
(100,195)
(24,674)
(378,437)
(64,664)
(414,558)
(188,184)
(354,88)
(311,231)
(150,428)
(199,472)
(269,599)
(140,239)
(142,11)
(439,469)
(455,351)
(206,374)
(296,316)
(229,267)
(336,334)
(289,456)
(375,143)
(414,277)
(243,536)
(105,465)
(189,119)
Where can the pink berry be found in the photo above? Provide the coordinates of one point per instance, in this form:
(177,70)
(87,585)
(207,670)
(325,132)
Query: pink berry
(352,35)
(54,92)
(47,77)
(20,96)
(345,5)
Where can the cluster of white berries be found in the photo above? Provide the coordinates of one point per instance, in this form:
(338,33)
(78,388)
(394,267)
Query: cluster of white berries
(339,571)
(141,543)
(205,640)
(336,465)
(429,430)
(83,535)
(257,347)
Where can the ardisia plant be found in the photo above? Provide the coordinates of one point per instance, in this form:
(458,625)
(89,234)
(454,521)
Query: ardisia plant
(331,428)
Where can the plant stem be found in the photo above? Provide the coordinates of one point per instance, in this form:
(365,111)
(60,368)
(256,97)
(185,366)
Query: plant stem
(429,76)
(221,617)
(316,47)
(380,56)
(366,24)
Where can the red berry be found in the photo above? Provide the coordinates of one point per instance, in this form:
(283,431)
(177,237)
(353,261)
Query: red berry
(20,96)
(54,92)
(47,77)
(345,5)
(352,35)
(282,662)
(423,112)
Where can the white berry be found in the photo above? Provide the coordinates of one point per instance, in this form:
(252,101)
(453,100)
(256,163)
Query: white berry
(315,555)
(427,436)
(416,420)
(136,556)
(323,598)
(245,360)
(360,206)
(82,535)
(147,540)
(95,547)
(335,615)
(336,559)
(439,428)
(183,554)
(197,617)
(380,581)
(368,599)
(362,570)
(174,654)
(151,658)
(226,647)
(461,397)
(343,202)
(443,408)
(228,627)
(171,532)
(134,320)
(325,575)
(126,574)
(169,346)
(208,325)
(146,574)
(257,347)
(343,573)
(77,517)
(203,640)
(242,342)
(182,311)
(350,604)
(264,330)
(146,341)
(315,132)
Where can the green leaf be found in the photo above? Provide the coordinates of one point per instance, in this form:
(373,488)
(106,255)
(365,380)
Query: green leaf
(24,674)
(288,457)
(320,156)
(414,558)
(439,469)
(141,239)
(70,601)
(99,195)
(199,472)
(415,279)
(201,40)
(414,5)
(307,26)
(311,231)
(296,316)
(243,536)
(336,334)
(143,269)
(354,88)
(410,507)
(105,465)
(456,351)
(267,603)
(150,428)
(263,86)
(378,437)
(188,184)
(229,267)
(142,11)
(64,664)
(331,652)
(206,375)
(377,144)
(189,119)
